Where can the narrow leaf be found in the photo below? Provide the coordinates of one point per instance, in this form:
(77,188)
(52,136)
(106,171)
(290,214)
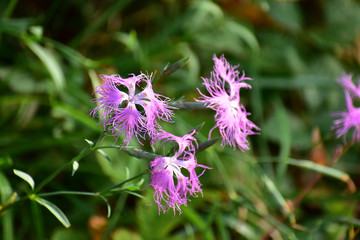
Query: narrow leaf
(278,197)
(198,127)
(242,228)
(349,221)
(75,167)
(50,62)
(76,114)
(168,70)
(328,171)
(135,194)
(6,197)
(175,66)
(55,211)
(91,143)
(26,177)
(107,204)
(103,154)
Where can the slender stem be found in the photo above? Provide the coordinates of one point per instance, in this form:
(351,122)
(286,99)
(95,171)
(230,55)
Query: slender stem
(67,193)
(117,186)
(92,194)
(116,216)
(102,147)
(306,190)
(38,220)
(51,177)
(86,150)
(10,8)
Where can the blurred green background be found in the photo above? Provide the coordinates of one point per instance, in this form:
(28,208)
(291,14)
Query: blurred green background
(52,51)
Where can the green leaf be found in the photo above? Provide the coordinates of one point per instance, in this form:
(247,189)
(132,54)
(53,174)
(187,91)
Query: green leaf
(349,221)
(50,62)
(197,128)
(25,177)
(107,205)
(135,194)
(94,80)
(244,33)
(76,114)
(5,198)
(279,199)
(195,218)
(286,13)
(103,154)
(37,32)
(15,26)
(328,171)
(75,167)
(91,143)
(168,70)
(175,66)
(243,228)
(55,211)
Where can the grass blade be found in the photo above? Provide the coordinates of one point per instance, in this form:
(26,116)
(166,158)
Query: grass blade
(50,62)
(7,219)
(328,171)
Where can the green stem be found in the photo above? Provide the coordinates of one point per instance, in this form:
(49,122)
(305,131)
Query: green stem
(117,186)
(38,221)
(116,216)
(67,193)
(10,8)
(108,146)
(86,150)
(51,177)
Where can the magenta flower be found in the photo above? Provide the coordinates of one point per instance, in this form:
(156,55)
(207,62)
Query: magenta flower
(350,118)
(172,187)
(348,85)
(124,111)
(231,116)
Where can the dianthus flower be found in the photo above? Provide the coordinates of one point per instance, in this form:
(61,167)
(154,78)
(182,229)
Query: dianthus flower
(172,187)
(123,110)
(350,118)
(348,85)
(231,116)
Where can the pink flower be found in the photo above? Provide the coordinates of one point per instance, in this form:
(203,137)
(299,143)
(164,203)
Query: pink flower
(348,119)
(126,108)
(231,116)
(172,187)
(348,85)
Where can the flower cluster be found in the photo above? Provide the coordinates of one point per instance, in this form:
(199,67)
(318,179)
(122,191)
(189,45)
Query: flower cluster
(231,116)
(129,107)
(350,118)
(171,186)
(124,111)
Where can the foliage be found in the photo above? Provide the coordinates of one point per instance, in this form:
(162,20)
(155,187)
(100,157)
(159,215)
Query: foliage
(297,181)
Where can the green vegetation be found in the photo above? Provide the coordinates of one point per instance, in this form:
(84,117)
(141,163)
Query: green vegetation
(57,168)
